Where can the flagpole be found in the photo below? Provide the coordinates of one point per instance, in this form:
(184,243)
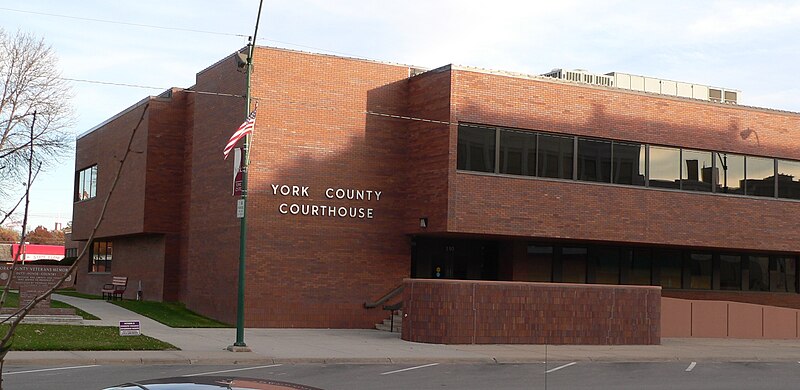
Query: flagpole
(240,344)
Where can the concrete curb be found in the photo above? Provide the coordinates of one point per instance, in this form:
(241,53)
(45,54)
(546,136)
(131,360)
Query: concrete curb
(167,359)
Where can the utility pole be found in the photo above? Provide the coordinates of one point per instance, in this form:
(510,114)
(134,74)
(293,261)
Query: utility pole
(239,345)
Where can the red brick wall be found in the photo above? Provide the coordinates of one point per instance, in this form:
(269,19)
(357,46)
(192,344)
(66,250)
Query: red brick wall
(487,204)
(312,130)
(212,232)
(428,143)
(140,258)
(147,198)
(105,146)
(164,175)
(479,312)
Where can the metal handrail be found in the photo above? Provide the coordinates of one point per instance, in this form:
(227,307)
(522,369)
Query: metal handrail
(383,299)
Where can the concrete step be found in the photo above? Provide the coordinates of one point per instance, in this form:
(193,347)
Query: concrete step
(387,323)
(386,328)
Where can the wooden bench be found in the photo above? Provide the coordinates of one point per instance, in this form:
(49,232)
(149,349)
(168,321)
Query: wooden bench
(116,288)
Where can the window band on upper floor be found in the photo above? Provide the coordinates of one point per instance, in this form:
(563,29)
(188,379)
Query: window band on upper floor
(508,151)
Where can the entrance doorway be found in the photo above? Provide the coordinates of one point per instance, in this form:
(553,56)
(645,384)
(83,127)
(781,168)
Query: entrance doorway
(448,258)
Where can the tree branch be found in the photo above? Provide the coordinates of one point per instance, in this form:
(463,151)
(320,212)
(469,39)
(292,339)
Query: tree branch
(20,314)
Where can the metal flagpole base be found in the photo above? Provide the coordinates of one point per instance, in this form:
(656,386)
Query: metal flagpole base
(237,348)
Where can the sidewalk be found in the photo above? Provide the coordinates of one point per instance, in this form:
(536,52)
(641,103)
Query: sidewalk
(207,346)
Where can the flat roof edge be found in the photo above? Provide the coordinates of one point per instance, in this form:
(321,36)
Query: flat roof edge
(125,111)
(504,73)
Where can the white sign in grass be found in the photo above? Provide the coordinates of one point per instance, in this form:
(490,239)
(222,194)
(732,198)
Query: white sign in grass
(130,328)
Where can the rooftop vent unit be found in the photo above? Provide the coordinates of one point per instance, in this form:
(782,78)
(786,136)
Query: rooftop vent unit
(648,84)
(581,76)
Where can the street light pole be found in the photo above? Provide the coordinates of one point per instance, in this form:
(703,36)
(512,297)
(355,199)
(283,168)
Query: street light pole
(240,345)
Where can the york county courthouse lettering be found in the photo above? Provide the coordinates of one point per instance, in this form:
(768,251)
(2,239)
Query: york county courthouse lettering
(452,181)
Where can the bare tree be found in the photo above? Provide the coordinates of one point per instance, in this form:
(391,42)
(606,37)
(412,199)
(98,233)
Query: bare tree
(30,81)
(16,318)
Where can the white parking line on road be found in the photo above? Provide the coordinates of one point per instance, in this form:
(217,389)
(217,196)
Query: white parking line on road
(691,366)
(410,368)
(51,369)
(560,367)
(235,369)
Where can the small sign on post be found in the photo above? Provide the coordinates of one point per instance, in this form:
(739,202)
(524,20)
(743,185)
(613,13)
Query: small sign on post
(130,328)
(240,208)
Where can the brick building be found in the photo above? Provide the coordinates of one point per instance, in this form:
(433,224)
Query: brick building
(365,173)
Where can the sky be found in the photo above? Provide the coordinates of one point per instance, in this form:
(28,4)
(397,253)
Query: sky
(751,46)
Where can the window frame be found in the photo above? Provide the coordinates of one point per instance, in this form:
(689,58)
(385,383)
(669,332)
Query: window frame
(82,181)
(101,262)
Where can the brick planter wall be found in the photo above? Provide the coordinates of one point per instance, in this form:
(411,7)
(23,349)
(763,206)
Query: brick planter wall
(480,312)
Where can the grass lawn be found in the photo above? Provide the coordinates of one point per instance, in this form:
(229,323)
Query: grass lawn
(12,300)
(40,337)
(172,314)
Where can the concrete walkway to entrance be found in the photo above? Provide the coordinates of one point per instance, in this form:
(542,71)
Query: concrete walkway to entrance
(207,346)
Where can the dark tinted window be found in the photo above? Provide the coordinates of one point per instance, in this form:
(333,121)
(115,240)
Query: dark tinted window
(700,271)
(517,153)
(665,168)
(782,274)
(594,160)
(606,265)
(730,272)
(760,175)
(789,179)
(555,156)
(573,262)
(730,168)
(697,174)
(628,163)
(540,263)
(669,263)
(640,272)
(476,149)
(758,273)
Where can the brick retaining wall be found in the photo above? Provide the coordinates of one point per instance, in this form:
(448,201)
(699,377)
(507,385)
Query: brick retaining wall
(481,312)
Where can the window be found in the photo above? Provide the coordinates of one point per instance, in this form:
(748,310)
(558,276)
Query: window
(730,272)
(573,262)
(517,153)
(789,179)
(594,160)
(665,167)
(86,183)
(758,275)
(628,163)
(71,252)
(476,149)
(669,263)
(697,174)
(527,153)
(101,256)
(605,262)
(760,176)
(731,169)
(640,270)
(700,271)
(540,259)
(555,156)
(782,274)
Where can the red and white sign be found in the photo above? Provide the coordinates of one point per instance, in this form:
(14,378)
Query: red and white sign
(32,252)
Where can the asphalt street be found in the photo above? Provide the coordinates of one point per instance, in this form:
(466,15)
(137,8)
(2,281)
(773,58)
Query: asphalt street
(434,375)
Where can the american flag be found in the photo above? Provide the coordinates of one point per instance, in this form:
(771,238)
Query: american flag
(243,130)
